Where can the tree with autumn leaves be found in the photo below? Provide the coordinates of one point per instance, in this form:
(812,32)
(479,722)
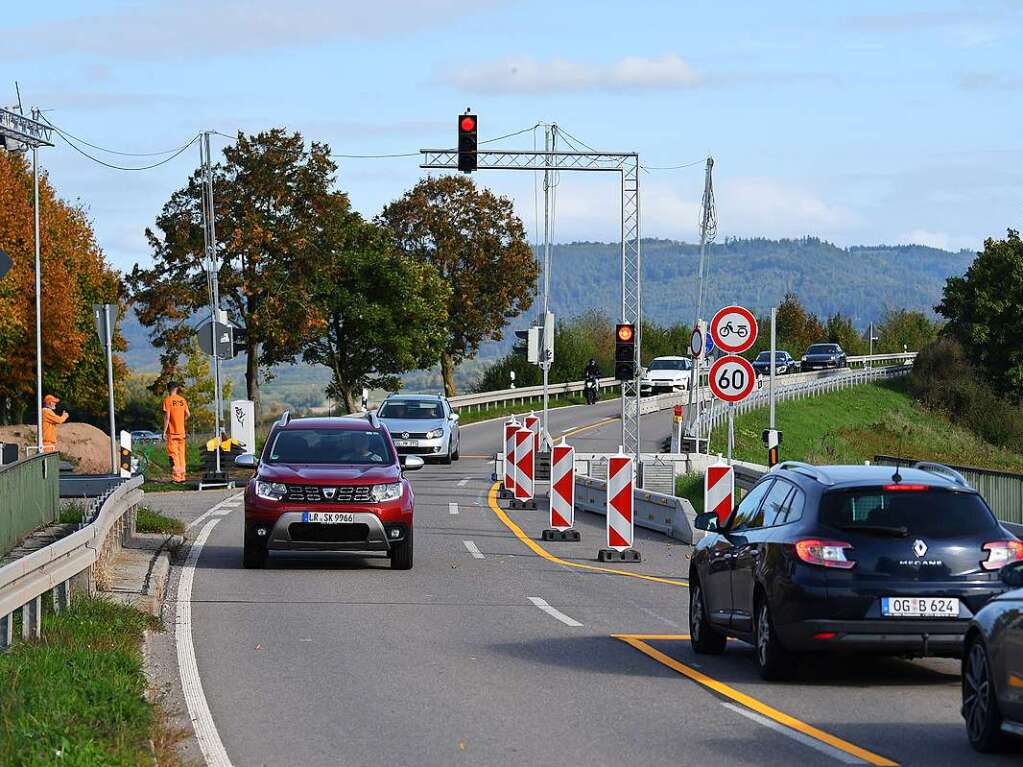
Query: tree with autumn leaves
(75,275)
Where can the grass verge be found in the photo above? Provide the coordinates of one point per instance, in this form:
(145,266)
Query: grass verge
(149,521)
(853,425)
(76,697)
(690,486)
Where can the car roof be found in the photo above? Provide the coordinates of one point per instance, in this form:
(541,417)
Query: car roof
(423,397)
(853,475)
(349,423)
(669,357)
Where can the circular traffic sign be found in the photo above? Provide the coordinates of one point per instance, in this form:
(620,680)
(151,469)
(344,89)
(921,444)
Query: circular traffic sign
(734,329)
(732,378)
(696,343)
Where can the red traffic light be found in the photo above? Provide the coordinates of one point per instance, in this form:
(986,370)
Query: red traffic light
(468,123)
(625,333)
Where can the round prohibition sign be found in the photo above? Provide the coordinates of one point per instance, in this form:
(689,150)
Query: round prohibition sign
(732,378)
(733,329)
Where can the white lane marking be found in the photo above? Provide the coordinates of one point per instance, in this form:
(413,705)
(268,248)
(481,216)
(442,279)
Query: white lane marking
(198,708)
(554,612)
(452,508)
(473,549)
(464,482)
(212,512)
(799,737)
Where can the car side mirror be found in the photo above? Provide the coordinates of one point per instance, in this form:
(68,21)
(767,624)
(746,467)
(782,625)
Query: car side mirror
(453,416)
(1012,575)
(708,521)
(246,461)
(412,463)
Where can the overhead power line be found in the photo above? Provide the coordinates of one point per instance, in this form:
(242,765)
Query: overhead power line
(70,140)
(70,135)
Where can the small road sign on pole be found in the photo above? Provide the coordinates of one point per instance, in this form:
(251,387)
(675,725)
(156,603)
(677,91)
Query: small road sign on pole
(732,378)
(733,329)
(620,507)
(224,336)
(719,490)
(696,343)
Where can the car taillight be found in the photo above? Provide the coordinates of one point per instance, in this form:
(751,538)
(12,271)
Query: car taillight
(814,551)
(1001,553)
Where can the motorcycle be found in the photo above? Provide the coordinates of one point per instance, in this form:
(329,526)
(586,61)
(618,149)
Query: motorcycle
(590,390)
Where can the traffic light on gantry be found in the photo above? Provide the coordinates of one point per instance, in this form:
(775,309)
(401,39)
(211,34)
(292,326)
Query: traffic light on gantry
(625,352)
(467,132)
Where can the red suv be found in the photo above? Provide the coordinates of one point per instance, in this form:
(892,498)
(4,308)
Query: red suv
(329,484)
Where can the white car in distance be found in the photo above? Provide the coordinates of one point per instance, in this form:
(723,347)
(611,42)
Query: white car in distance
(665,375)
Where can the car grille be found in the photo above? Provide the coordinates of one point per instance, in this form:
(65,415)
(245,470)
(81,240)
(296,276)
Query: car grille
(315,533)
(329,494)
(408,434)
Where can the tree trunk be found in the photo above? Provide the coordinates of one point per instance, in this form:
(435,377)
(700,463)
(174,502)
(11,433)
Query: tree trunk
(350,403)
(447,372)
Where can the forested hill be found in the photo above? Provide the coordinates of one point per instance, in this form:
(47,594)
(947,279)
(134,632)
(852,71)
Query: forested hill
(860,281)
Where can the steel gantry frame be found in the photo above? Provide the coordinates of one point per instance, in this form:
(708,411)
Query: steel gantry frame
(626,164)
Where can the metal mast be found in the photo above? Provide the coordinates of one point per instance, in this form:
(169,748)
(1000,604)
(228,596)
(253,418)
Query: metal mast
(550,142)
(708,231)
(212,266)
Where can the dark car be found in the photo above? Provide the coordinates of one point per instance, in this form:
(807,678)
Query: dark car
(824,356)
(329,484)
(847,558)
(783,363)
(993,667)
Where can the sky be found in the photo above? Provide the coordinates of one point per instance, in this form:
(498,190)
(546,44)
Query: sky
(861,123)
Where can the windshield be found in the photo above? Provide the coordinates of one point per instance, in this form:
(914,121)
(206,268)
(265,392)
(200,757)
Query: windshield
(766,356)
(821,349)
(933,512)
(669,365)
(412,409)
(329,446)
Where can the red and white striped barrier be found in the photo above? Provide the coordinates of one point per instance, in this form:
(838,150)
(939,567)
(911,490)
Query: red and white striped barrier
(719,490)
(532,422)
(510,427)
(524,454)
(562,486)
(620,505)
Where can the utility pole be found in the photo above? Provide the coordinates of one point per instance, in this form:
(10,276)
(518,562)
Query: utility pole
(708,231)
(39,302)
(212,269)
(550,143)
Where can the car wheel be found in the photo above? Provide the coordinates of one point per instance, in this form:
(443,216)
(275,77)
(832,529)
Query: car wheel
(446,460)
(704,638)
(774,662)
(254,553)
(401,554)
(455,455)
(980,704)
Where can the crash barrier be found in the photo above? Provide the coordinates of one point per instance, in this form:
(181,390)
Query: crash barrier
(29,497)
(797,386)
(526,394)
(657,471)
(79,560)
(660,512)
(1003,490)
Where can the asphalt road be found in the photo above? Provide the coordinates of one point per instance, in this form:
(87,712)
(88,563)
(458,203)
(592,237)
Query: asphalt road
(492,651)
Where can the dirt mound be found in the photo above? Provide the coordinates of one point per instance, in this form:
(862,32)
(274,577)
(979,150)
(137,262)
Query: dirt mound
(85,446)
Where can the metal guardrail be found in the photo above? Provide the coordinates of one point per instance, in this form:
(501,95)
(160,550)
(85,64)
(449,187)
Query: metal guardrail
(526,393)
(25,581)
(28,497)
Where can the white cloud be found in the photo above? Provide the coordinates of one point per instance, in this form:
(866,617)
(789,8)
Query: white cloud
(940,240)
(525,74)
(772,208)
(172,28)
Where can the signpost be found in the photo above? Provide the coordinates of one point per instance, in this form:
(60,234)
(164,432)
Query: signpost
(217,339)
(733,329)
(105,316)
(732,378)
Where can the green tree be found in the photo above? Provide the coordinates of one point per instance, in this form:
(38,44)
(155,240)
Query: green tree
(904,329)
(199,388)
(478,246)
(269,194)
(984,309)
(796,327)
(840,330)
(378,313)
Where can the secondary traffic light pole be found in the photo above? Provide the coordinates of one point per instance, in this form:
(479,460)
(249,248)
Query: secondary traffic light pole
(626,164)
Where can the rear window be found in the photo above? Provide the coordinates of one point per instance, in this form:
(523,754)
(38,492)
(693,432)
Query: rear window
(934,512)
(329,446)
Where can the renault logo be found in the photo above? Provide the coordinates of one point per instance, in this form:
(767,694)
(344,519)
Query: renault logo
(919,547)
(329,492)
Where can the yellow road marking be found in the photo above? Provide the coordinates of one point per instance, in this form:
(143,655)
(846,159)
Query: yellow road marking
(542,552)
(580,429)
(636,641)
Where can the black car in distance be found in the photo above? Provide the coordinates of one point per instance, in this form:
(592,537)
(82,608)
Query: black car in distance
(824,356)
(783,363)
(869,559)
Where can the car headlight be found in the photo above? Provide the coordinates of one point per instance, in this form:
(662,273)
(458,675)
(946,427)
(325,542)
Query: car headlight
(435,434)
(271,491)
(389,492)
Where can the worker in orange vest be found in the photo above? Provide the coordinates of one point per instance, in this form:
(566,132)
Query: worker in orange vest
(175,414)
(50,422)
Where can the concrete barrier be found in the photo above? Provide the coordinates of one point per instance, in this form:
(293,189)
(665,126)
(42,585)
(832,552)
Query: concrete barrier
(664,514)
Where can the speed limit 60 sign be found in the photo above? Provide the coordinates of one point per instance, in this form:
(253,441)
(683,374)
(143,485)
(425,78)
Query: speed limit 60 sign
(734,329)
(732,378)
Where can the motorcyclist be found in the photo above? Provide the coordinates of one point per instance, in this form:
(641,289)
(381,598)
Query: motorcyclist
(592,369)
(591,376)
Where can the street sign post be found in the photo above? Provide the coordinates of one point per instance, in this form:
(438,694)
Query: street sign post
(732,379)
(733,329)
(105,316)
(696,343)
(221,334)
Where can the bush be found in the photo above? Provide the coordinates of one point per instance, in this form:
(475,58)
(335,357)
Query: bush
(943,379)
